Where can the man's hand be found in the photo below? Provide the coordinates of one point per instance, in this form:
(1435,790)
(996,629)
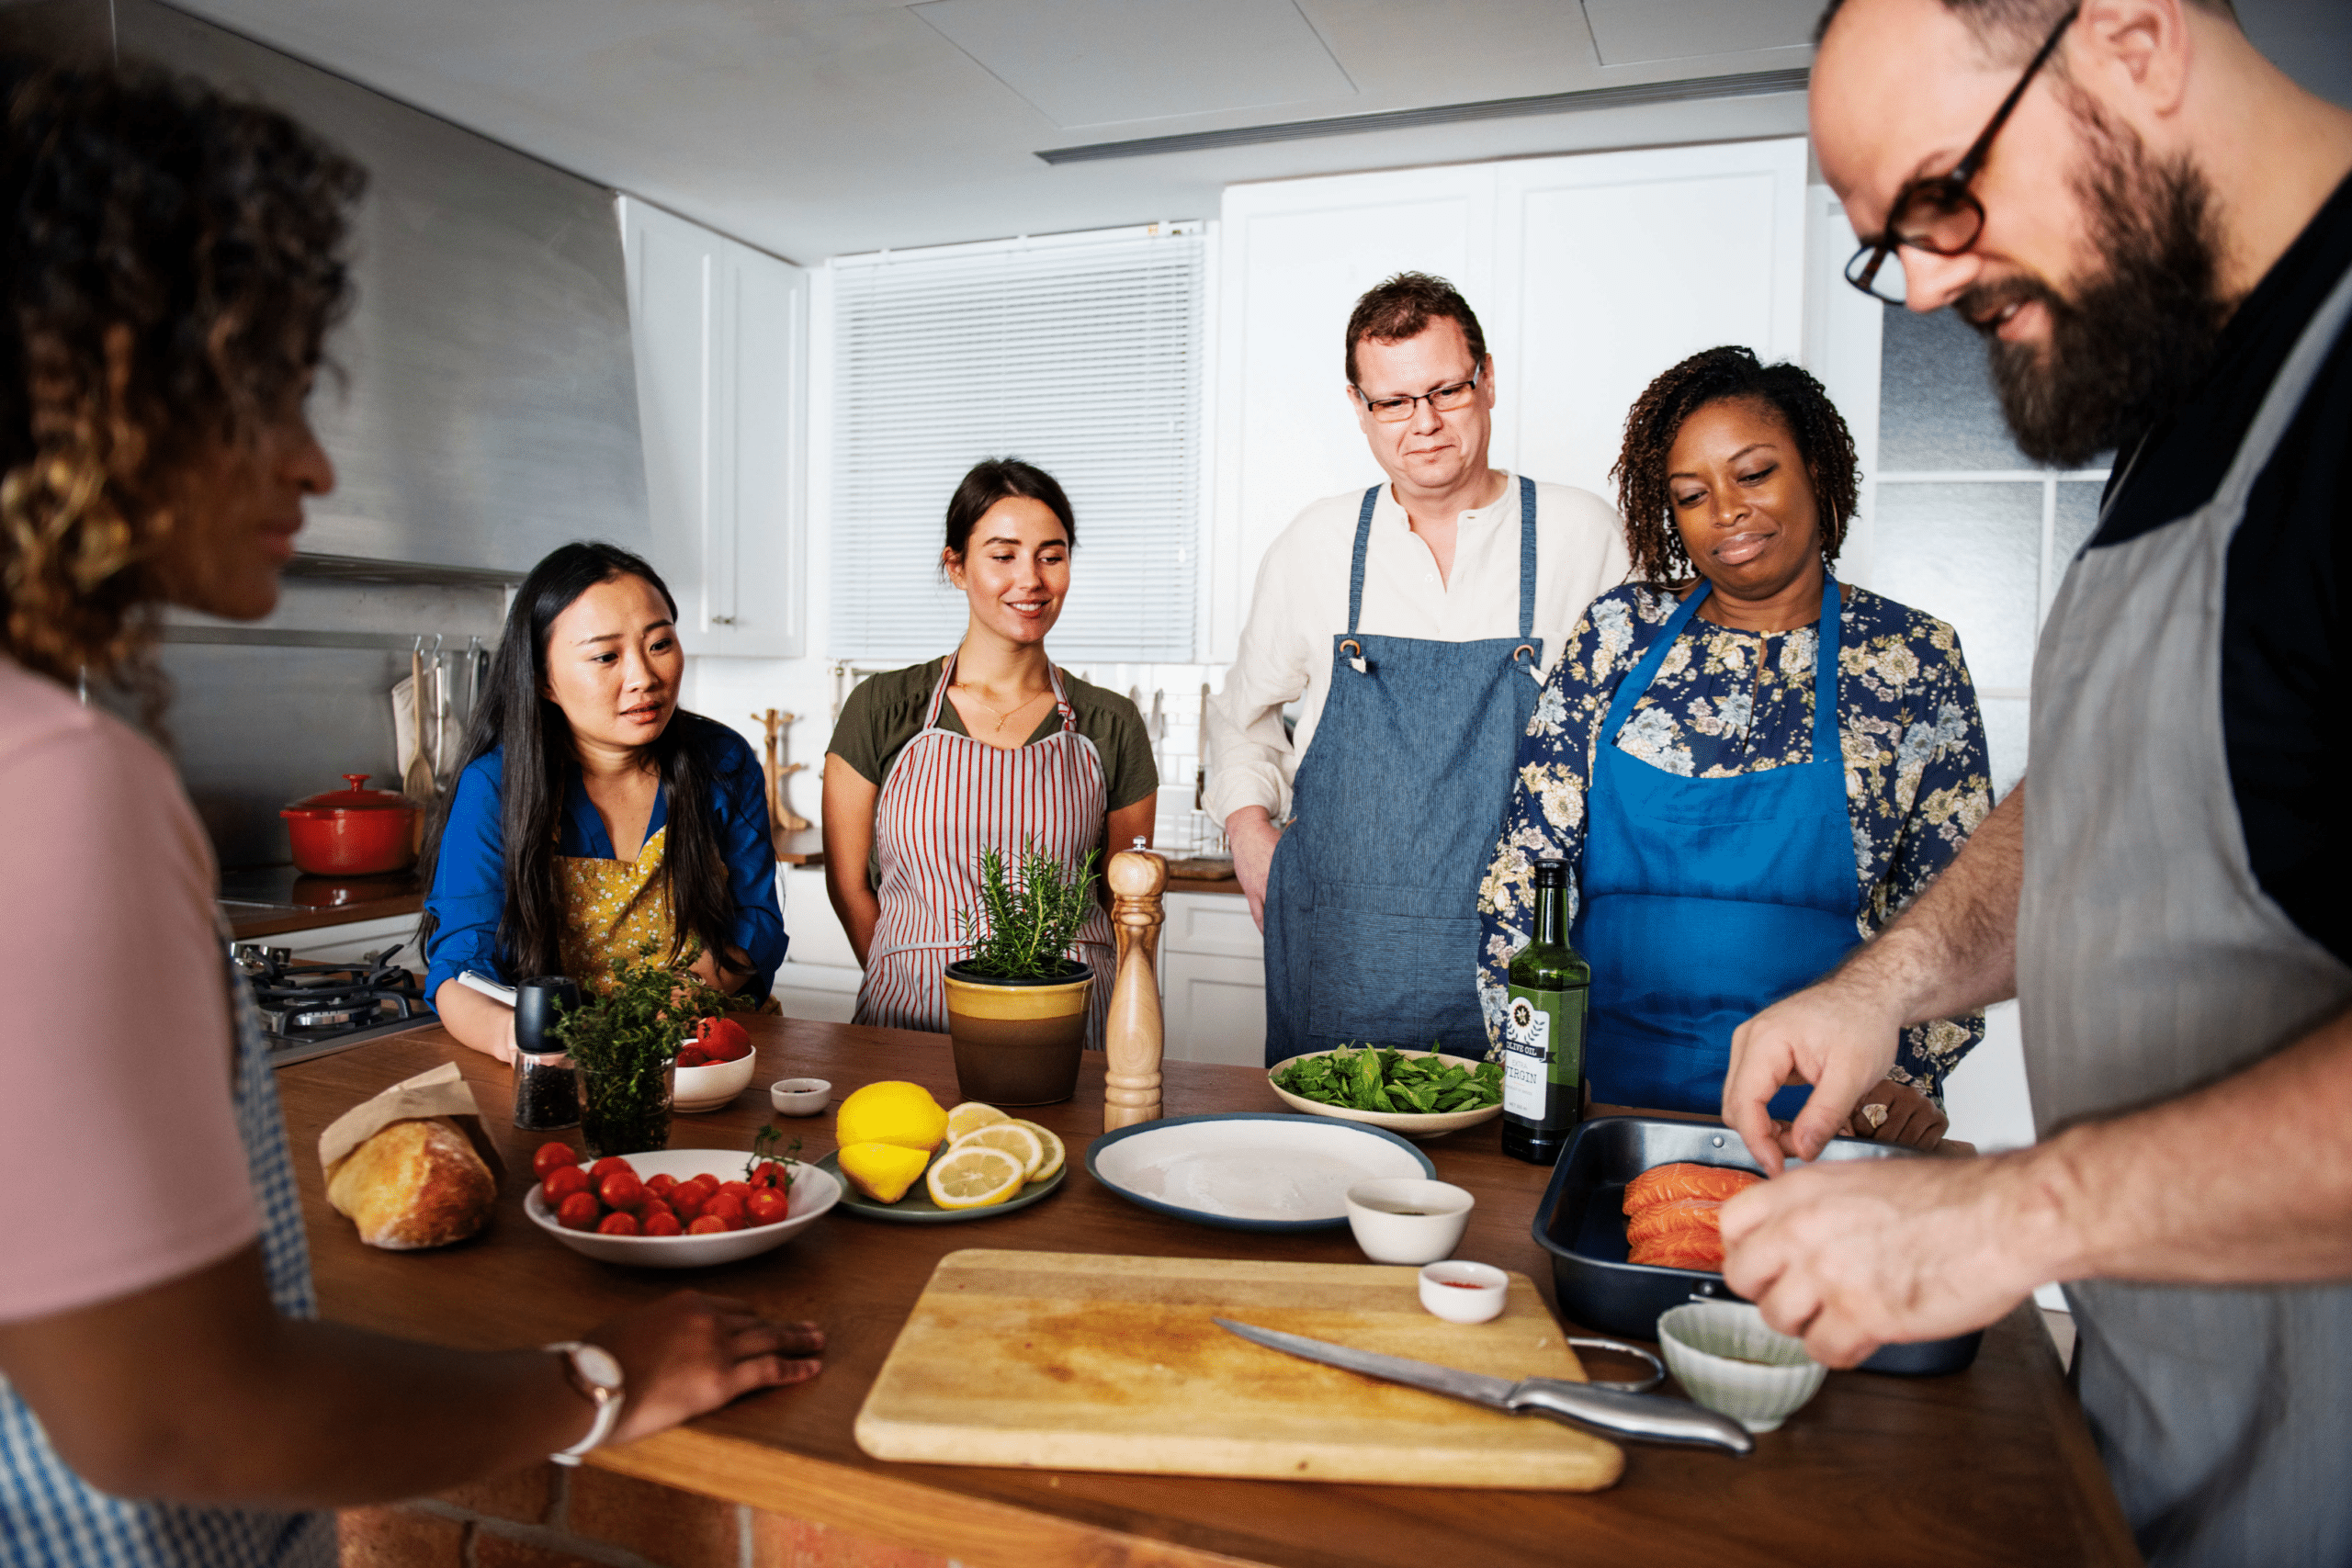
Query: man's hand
(688,1353)
(1836,1036)
(1865,1253)
(1253,836)
(1904,1116)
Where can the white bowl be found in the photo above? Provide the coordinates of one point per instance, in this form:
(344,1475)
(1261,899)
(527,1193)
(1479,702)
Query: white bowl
(813,1192)
(799,1096)
(707,1088)
(1411,1125)
(1463,1292)
(1399,1220)
(1730,1361)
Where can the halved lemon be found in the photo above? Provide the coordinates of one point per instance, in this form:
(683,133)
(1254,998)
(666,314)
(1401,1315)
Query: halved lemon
(1055,1153)
(882,1171)
(974,1177)
(1014,1139)
(971,1117)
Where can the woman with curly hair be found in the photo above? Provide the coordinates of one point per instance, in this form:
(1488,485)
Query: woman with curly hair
(169,265)
(1728,834)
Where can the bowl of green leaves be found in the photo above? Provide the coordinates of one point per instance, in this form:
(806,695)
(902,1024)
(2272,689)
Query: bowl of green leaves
(1420,1094)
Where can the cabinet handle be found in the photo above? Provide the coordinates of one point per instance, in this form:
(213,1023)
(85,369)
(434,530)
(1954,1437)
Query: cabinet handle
(722,620)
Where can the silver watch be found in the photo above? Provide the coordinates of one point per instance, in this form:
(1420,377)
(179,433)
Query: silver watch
(596,1373)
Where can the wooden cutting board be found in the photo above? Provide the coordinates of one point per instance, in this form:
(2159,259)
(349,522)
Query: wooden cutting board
(1081,1362)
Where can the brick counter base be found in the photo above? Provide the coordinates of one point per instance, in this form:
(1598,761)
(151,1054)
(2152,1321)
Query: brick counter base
(551,1517)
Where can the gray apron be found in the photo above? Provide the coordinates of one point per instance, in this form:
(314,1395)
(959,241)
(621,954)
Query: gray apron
(1372,902)
(2150,962)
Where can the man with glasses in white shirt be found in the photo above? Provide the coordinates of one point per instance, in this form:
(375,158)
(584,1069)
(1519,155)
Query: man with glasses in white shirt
(1413,623)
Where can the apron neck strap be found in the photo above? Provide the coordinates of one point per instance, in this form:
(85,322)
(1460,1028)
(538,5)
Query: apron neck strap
(1826,743)
(1526,557)
(947,676)
(1355,570)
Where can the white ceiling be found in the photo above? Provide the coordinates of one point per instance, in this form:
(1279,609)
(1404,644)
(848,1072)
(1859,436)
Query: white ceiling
(815,127)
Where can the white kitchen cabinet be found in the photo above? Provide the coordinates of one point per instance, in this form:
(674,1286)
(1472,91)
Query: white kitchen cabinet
(721,349)
(1590,275)
(1212,980)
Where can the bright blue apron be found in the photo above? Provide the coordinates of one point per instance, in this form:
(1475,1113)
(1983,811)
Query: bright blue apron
(1372,904)
(1706,900)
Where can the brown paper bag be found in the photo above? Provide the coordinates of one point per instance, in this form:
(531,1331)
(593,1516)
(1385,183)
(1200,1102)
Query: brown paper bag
(443,1091)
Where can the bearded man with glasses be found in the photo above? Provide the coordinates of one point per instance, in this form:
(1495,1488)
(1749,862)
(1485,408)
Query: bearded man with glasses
(1413,623)
(2152,227)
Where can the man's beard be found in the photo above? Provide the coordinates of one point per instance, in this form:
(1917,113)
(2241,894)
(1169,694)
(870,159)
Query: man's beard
(2137,337)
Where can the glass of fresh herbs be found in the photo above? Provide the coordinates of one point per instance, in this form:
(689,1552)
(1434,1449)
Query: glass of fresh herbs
(625,1046)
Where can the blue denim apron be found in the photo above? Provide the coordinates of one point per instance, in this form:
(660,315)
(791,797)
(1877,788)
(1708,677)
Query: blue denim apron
(1705,900)
(1372,904)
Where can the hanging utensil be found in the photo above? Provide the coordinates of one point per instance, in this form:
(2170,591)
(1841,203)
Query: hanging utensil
(416,780)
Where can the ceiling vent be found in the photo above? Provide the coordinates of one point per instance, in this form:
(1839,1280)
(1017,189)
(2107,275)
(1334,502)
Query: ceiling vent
(1748,85)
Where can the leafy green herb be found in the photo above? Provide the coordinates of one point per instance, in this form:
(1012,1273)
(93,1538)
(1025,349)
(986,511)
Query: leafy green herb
(763,1145)
(622,1043)
(1364,1078)
(1027,919)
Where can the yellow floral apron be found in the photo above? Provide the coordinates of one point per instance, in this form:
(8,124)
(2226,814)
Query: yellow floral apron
(612,910)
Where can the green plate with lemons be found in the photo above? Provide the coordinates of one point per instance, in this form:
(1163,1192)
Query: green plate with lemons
(916,1209)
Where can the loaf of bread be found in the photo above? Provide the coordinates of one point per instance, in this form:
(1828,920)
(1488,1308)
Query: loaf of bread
(413,1184)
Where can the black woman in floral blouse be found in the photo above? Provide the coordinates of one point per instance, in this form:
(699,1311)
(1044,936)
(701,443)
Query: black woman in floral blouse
(1736,481)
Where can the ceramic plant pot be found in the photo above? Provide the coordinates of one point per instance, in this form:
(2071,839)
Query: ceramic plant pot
(1018,1042)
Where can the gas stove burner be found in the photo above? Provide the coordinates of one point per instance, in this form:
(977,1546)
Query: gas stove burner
(309,1008)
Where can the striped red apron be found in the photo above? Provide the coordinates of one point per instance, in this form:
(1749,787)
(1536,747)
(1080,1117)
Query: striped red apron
(948,799)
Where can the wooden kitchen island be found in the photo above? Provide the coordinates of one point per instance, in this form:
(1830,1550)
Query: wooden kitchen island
(1991,1465)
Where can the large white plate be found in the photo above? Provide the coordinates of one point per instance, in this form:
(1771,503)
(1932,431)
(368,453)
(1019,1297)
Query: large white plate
(1257,1170)
(813,1192)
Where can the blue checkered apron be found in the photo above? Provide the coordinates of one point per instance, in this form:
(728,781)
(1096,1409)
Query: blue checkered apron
(50,1516)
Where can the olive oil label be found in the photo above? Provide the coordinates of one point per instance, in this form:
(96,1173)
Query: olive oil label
(1527,1054)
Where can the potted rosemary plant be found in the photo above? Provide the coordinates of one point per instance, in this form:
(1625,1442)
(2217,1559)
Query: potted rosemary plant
(625,1046)
(1017,1002)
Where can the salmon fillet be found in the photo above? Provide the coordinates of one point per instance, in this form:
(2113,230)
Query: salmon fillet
(1666,1183)
(1703,1250)
(1675,1218)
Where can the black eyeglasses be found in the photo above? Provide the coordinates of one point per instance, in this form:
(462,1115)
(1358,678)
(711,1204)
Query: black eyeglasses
(1938,213)
(1446,400)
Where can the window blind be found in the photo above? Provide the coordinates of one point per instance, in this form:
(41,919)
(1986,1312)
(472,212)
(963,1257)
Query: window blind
(1082,354)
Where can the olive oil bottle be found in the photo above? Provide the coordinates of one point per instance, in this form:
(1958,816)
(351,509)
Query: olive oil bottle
(1544,1028)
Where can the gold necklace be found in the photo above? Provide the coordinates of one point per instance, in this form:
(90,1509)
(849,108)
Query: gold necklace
(1004,718)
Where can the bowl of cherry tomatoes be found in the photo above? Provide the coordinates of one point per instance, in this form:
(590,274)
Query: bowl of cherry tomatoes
(675,1207)
(714,1067)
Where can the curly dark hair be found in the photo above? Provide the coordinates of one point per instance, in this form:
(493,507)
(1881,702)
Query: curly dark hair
(1721,375)
(170,262)
(1403,306)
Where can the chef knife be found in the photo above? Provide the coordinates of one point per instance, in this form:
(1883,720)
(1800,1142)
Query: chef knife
(1612,1413)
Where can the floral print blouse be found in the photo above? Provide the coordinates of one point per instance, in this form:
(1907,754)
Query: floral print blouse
(1726,702)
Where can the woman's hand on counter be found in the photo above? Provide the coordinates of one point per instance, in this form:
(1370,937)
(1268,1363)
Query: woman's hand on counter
(688,1354)
(484,1024)
(1906,1117)
(1253,836)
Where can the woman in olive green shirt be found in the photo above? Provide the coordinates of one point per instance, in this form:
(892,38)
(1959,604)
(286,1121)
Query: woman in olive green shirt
(988,748)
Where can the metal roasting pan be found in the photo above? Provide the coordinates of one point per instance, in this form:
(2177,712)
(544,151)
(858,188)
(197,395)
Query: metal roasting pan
(1581,1223)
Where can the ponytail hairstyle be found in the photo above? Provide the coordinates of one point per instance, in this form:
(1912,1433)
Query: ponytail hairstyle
(535,740)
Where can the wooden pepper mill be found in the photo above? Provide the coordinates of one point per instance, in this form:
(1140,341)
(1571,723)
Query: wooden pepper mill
(1132,1036)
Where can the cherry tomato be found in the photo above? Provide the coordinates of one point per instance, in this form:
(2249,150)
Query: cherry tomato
(723,1039)
(621,1190)
(609,1164)
(685,1203)
(690,1058)
(767,1206)
(579,1212)
(562,1183)
(663,1223)
(552,1157)
(651,1207)
(708,1225)
(767,1173)
(617,1225)
(705,1187)
(739,1189)
(659,1186)
(726,1206)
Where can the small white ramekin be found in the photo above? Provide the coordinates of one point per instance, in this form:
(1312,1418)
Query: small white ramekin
(1730,1361)
(1463,1292)
(799,1096)
(1403,1219)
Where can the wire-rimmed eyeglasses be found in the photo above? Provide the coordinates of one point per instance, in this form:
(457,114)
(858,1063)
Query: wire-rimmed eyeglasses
(1445,399)
(1939,213)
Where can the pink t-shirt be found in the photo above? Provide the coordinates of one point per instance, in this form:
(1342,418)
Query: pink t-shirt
(120,1147)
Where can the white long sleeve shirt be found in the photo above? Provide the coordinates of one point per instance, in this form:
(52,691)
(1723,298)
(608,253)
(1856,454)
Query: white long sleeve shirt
(1300,603)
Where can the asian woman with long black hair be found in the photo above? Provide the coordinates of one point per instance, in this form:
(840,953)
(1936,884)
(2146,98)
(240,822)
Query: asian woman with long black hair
(593,817)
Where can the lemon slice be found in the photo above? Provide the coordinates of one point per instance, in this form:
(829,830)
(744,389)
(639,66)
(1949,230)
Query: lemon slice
(974,1176)
(882,1171)
(971,1117)
(1014,1139)
(1055,1153)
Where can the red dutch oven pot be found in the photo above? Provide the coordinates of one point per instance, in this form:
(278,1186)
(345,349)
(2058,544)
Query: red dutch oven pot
(353,832)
